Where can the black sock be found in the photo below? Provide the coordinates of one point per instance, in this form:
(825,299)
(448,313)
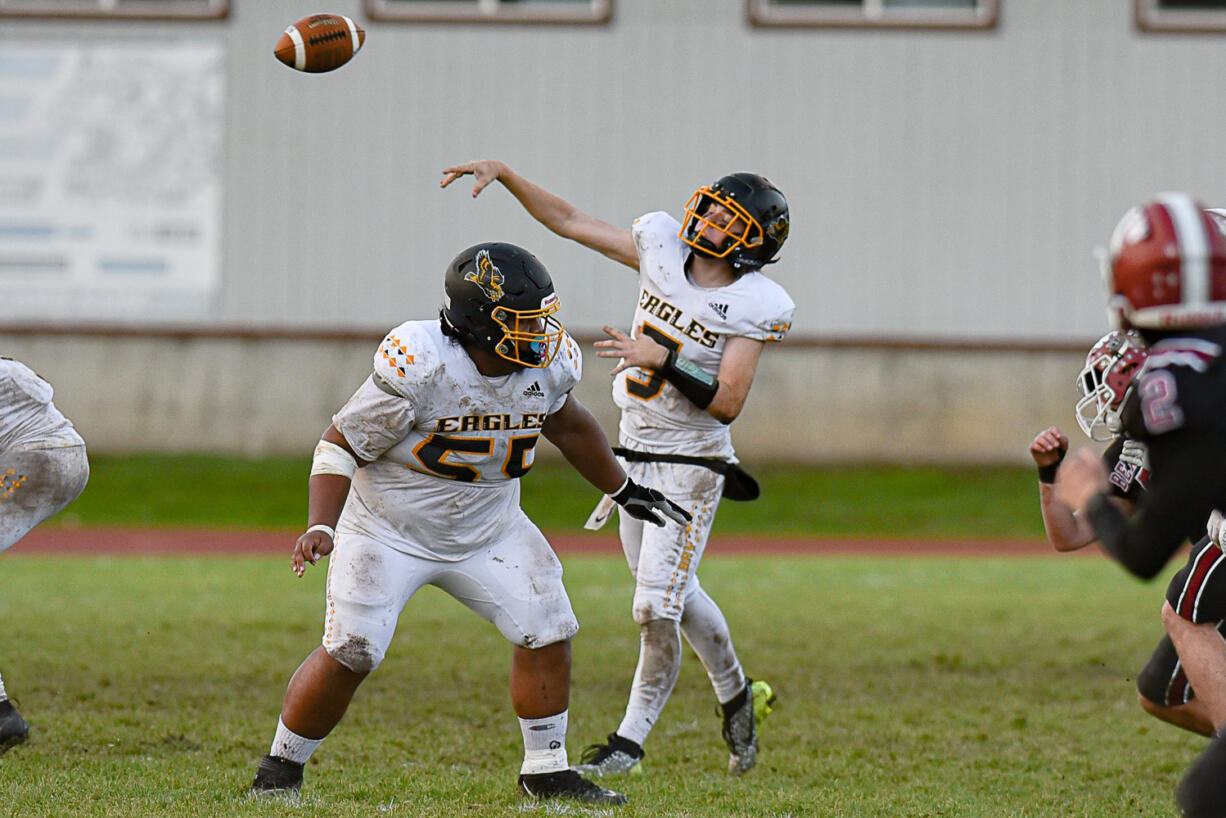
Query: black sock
(626,745)
(736,702)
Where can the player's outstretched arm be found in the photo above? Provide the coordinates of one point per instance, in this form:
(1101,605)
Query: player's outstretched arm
(1141,543)
(579,438)
(582,442)
(332,470)
(551,210)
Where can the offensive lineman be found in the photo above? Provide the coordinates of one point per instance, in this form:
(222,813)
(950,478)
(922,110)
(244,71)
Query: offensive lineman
(1106,384)
(43,468)
(1165,273)
(704,315)
(448,421)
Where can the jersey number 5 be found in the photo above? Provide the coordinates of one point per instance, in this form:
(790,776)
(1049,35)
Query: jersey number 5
(646,390)
(432,454)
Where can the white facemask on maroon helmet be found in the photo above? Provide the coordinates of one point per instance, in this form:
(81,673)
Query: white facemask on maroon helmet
(1106,383)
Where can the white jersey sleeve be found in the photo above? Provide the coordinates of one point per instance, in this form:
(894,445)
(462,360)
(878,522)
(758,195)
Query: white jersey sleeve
(27,415)
(768,309)
(567,369)
(382,411)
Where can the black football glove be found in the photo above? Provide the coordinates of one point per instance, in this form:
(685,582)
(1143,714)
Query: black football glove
(647,504)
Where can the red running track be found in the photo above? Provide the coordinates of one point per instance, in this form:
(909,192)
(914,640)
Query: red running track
(203,542)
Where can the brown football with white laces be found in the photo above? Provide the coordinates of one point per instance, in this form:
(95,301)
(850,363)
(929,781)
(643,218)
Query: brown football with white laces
(319,43)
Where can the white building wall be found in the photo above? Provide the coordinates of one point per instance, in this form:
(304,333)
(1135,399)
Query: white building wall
(261,397)
(943,186)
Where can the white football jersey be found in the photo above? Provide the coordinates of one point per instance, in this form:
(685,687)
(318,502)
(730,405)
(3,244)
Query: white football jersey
(27,415)
(695,321)
(445,442)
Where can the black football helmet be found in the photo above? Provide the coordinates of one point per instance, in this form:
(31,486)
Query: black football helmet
(755,236)
(500,297)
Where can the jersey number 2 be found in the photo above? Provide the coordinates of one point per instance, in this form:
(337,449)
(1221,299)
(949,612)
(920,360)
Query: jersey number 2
(1158,402)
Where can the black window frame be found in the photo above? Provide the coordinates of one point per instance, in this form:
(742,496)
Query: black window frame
(767,14)
(117,9)
(1151,17)
(587,12)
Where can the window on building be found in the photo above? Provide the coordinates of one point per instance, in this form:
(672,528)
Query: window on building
(491,11)
(875,13)
(1181,15)
(146,9)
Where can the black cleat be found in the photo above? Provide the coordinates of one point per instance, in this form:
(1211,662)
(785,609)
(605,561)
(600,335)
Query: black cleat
(742,718)
(13,728)
(276,776)
(567,784)
(619,757)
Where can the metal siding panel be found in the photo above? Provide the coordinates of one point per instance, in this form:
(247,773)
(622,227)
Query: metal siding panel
(941,183)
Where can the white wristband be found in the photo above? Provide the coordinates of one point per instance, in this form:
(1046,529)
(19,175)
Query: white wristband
(327,529)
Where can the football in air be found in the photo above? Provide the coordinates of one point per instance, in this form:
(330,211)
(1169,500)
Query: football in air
(321,42)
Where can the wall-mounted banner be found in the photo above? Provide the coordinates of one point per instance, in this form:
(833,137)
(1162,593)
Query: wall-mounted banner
(110,180)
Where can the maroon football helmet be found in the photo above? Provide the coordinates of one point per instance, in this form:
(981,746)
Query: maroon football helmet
(1106,382)
(1165,266)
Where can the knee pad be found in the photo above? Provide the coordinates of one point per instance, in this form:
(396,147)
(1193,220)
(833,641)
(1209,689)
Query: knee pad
(661,640)
(356,652)
(649,607)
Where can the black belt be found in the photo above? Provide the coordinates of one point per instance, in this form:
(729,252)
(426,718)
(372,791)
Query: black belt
(738,484)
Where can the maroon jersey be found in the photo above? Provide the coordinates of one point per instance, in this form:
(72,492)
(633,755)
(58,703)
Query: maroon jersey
(1127,479)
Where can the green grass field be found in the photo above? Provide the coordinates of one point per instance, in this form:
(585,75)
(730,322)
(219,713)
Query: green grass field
(908,686)
(219,492)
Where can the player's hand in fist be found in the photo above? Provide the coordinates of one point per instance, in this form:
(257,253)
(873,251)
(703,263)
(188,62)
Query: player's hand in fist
(317,541)
(1080,477)
(647,504)
(1049,447)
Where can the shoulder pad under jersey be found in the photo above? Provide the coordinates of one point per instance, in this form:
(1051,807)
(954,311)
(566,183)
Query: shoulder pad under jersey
(407,358)
(568,363)
(1195,353)
(655,227)
(661,252)
(763,309)
(26,379)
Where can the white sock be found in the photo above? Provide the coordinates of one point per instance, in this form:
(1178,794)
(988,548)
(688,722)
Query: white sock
(3,695)
(544,744)
(290,746)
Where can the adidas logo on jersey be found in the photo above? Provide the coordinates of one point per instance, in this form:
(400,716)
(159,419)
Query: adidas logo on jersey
(720,309)
(534,391)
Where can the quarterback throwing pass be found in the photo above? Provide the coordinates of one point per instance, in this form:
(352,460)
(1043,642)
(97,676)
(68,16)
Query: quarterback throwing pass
(703,315)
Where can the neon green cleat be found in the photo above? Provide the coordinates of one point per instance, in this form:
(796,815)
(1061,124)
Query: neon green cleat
(763,701)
